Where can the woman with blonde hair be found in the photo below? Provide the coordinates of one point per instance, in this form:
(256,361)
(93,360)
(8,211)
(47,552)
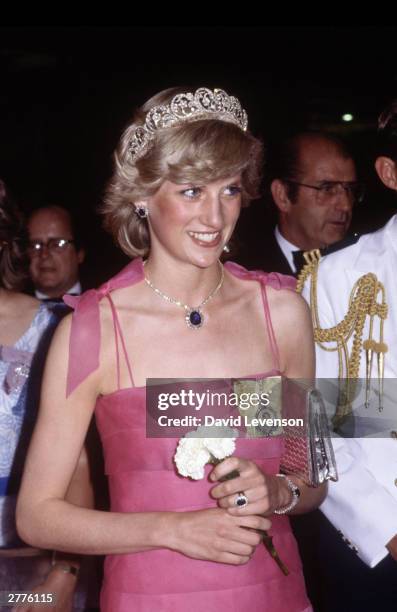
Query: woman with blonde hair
(184,167)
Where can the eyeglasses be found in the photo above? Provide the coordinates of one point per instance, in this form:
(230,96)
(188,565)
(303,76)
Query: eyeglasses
(328,190)
(54,245)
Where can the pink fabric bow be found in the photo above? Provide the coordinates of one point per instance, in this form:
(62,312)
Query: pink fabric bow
(86,329)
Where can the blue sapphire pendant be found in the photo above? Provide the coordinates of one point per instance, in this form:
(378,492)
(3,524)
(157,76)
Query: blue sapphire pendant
(194,318)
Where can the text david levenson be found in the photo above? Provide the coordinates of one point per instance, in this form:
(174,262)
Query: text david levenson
(235,421)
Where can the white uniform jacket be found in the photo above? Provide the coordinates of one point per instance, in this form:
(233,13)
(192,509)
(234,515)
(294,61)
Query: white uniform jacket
(362,505)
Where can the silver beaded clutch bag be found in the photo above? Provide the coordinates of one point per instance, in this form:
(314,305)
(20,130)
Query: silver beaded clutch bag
(297,413)
(309,454)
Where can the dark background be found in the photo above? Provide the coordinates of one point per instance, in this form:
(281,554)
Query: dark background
(67,92)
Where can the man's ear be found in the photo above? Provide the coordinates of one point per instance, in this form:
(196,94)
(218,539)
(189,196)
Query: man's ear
(280,195)
(387,171)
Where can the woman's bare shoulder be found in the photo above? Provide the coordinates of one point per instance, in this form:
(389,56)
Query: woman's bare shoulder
(20,302)
(27,300)
(290,315)
(287,302)
(293,329)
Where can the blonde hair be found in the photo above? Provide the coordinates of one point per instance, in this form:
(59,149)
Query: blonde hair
(192,152)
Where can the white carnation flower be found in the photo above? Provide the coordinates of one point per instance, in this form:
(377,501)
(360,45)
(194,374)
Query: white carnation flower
(191,457)
(220,447)
(198,448)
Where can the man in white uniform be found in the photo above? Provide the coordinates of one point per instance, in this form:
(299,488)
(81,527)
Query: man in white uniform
(361,563)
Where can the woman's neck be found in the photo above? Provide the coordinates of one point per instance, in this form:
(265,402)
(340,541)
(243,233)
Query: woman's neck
(185,282)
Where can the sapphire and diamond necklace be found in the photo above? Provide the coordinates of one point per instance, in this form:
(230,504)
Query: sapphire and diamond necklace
(193,316)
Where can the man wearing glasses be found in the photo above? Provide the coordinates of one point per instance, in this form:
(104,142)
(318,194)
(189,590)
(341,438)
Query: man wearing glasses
(314,186)
(55,255)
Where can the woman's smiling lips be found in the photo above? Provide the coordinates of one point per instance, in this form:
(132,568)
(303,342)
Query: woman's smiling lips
(206,239)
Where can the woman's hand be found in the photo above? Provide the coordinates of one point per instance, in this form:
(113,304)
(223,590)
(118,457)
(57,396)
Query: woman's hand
(265,493)
(215,535)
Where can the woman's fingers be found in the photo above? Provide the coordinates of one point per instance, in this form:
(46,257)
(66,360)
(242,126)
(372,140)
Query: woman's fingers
(251,492)
(243,537)
(230,487)
(232,559)
(227,466)
(236,548)
(261,506)
(248,476)
(254,521)
(251,486)
(212,534)
(257,501)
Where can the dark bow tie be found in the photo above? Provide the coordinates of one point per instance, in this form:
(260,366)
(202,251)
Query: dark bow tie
(299,260)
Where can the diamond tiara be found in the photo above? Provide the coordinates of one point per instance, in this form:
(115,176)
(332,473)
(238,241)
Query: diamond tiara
(187,107)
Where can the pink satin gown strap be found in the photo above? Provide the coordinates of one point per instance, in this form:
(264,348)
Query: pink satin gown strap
(118,333)
(85,335)
(270,330)
(116,337)
(276,281)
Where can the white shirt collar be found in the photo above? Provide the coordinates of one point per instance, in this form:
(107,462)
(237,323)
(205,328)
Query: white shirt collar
(286,248)
(76,290)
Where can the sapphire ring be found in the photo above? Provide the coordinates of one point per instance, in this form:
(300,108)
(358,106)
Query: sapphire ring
(241,500)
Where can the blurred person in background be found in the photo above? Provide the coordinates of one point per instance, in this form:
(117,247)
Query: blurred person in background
(313,184)
(26,326)
(55,253)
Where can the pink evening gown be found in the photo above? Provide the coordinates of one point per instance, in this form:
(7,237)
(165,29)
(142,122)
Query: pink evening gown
(142,478)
